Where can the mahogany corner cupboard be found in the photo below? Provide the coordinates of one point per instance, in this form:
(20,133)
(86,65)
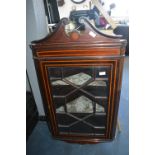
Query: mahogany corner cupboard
(80,74)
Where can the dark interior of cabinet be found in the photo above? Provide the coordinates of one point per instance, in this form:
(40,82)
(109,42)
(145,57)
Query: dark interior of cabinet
(80,97)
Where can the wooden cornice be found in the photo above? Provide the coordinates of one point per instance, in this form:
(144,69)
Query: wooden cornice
(59,39)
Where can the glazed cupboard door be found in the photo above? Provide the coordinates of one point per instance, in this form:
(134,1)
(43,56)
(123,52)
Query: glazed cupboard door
(80,98)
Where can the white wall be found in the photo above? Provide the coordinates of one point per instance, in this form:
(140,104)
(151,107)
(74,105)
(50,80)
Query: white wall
(120,10)
(64,10)
(36,28)
(27,85)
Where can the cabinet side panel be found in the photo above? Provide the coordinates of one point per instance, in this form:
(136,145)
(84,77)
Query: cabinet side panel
(117,94)
(42,86)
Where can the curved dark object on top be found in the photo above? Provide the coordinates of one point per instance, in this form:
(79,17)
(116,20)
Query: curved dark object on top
(97,30)
(74,1)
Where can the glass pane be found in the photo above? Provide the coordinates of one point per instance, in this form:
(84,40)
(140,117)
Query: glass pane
(97,120)
(55,73)
(97,83)
(80,96)
(81,128)
(99,108)
(60,88)
(59,82)
(78,76)
(65,120)
(60,109)
(102,72)
(78,79)
(81,104)
(97,89)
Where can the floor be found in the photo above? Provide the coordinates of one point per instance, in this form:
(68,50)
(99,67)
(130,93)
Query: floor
(41,143)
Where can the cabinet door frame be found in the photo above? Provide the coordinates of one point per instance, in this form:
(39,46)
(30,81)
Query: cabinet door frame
(115,82)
